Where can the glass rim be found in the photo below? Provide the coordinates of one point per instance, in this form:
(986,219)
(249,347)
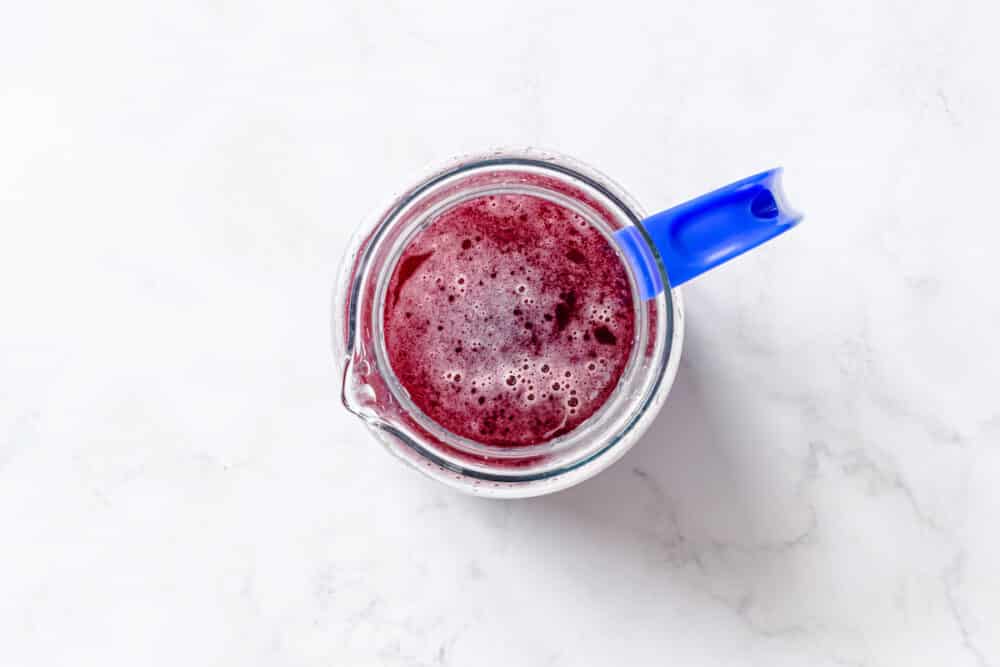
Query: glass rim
(578,174)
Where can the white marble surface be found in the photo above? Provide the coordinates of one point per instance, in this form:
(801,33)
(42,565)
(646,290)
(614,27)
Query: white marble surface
(178,485)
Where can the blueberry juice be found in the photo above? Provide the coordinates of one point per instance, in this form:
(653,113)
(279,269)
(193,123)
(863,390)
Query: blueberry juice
(509,320)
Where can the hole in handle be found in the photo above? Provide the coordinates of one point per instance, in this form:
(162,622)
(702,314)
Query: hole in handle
(763,205)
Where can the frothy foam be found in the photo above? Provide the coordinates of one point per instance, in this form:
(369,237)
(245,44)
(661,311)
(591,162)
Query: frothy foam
(509,320)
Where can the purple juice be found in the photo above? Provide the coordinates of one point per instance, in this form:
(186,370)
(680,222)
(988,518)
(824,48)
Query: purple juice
(509,320)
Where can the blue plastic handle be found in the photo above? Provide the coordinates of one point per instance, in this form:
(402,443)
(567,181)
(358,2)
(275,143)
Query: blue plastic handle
(701,234)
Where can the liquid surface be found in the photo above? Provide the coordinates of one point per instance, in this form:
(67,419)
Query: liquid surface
(509,320)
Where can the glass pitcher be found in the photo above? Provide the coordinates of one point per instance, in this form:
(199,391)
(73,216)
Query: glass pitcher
(660,252)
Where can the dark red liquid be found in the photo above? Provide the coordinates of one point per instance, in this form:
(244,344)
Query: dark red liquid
(509,320)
